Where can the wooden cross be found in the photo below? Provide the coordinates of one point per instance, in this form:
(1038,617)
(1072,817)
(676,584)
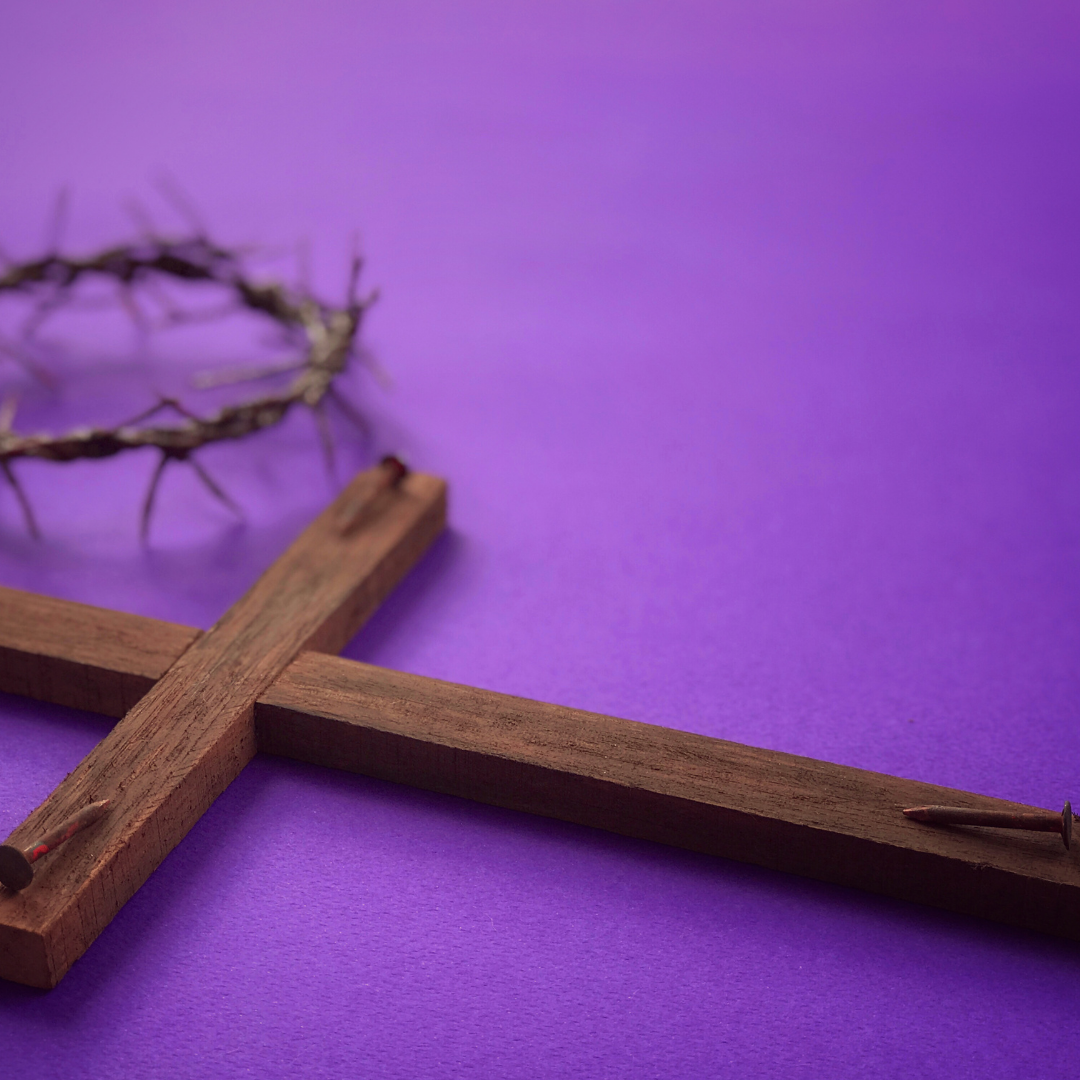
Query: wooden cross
(197,706)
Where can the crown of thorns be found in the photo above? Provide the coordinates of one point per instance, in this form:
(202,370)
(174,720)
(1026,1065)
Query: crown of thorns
(330,334)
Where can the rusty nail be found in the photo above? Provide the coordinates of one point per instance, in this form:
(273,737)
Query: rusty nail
(16,871)
(1034,820)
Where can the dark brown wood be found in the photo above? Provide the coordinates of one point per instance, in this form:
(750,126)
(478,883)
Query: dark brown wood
(191,734)
(789,813)
(777,810)
(81,656)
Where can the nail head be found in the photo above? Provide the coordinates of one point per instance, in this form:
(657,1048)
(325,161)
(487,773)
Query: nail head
(15,870)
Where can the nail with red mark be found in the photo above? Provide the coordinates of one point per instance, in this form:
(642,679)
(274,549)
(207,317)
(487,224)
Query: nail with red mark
(1033,820)
(393,471)
(16,871)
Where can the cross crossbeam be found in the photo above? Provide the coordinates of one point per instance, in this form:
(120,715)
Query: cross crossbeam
(197,706)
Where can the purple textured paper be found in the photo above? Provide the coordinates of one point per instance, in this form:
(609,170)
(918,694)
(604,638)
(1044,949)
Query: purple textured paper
(747,337)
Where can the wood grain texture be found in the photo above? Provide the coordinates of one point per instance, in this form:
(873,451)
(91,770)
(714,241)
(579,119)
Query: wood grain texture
(181,745)
(81,656)
(777,810)
(789,813)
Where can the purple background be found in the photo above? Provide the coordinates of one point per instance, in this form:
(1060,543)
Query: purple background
(747,336)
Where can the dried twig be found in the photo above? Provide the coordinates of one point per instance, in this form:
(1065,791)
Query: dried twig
(330,334)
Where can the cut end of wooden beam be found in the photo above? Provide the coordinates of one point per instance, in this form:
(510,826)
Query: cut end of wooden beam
(25,957)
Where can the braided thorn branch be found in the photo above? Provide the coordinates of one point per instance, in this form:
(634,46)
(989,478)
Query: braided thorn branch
(330,334)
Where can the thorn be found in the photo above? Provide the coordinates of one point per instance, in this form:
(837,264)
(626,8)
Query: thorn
(58,224)
(370,300)
(215,490)
(369,360)
(176,316)
(28,363)
(24,503)
(7,413)
(177,406)
(303,266)
(350,411)
(160,296)
(148,502)
(326,437)
(208,380)
(140,218)
(355,266)
(179,200)
(42,310)
(138,317)
(163,403)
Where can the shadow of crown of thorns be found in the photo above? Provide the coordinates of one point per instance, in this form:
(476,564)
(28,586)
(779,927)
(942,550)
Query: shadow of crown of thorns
(329,333)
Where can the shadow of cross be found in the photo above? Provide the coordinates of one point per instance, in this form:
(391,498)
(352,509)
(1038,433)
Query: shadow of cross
(197,706)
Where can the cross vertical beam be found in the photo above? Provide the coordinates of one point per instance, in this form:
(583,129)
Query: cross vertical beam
(185,741)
